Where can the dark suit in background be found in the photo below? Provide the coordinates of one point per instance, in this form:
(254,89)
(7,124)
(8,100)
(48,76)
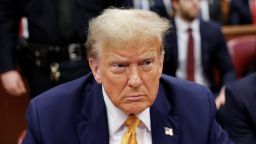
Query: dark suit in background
(157,6)
(238,115)
(214,54)
(75,112)
(215,10)
(240,12)
(47,44)
(160,8)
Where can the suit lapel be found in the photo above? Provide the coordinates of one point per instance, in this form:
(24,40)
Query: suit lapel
(204,45)
(160,115)
(92,126)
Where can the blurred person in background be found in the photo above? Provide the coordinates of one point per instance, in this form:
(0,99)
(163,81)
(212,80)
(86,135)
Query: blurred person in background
(211,10)
(237,116)
(162,7)
(242,12)
(55,52)
(196,48)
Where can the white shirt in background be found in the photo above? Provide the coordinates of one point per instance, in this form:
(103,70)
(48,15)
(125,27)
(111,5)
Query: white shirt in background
(141,4)
(205,10)
(182,36)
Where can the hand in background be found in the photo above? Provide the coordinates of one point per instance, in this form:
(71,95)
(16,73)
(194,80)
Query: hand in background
(13,83)
(220,99)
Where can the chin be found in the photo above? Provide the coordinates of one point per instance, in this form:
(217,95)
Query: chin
(191,18)
(134,109)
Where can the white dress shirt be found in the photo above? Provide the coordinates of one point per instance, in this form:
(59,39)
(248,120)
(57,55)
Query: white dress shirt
(205,10)
(116,118)
(141,4)
(168,6)
(182,36)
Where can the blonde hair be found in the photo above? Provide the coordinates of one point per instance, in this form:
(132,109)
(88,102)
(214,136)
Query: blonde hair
(115,27)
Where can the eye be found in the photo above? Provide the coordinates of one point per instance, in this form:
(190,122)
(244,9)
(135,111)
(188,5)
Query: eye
(147,64)
(118,67)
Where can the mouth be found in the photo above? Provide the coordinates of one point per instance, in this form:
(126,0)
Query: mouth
(134,98)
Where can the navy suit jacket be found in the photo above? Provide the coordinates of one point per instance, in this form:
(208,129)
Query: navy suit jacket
(214,55)
(239,12)
(238,115)
(215,10)
(75,112)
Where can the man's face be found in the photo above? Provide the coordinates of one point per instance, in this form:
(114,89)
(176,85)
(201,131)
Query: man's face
(130,74)
(187,9)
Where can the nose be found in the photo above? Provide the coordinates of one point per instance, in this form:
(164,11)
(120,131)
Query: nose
(134,78)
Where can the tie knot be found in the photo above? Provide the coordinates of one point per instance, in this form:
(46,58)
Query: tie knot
(189,30)
(132,122)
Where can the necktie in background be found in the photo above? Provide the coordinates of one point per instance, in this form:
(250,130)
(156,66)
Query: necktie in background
(190,56)
(131,123)
(66,17)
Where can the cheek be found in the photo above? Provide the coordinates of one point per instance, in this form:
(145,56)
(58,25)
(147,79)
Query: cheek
(196,8)
(114,85)
(112,80)
(151,83)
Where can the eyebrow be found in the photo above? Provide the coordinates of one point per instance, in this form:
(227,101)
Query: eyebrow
(117,57)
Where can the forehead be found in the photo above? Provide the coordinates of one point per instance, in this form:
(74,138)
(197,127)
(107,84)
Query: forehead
(132,49)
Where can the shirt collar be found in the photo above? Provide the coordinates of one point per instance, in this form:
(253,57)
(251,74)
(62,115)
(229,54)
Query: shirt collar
(183,26)
(116,117)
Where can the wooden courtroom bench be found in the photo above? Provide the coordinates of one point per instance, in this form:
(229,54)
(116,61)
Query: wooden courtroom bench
(231,32)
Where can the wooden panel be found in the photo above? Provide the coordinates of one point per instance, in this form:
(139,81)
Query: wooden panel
(231,32)
(12,116)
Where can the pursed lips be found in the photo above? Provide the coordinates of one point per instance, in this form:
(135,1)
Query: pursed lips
(134,97)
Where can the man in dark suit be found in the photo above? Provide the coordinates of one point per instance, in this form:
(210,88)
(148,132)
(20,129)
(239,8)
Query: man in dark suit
(238,115)
(158,6)
(125,99)
(196,48)
(55,52)
(215,10)
(240,12)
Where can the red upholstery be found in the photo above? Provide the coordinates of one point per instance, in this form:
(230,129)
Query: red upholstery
(243,52)
(21,137)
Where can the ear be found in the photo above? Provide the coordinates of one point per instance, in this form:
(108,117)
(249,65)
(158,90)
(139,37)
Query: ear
(94,65)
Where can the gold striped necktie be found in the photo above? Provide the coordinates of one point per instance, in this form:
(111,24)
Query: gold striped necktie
(131,123)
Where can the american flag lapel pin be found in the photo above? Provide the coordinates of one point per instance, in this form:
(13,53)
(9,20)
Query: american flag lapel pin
(168,131)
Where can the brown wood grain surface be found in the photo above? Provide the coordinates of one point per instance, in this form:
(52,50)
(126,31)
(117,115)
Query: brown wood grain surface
(12,116)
